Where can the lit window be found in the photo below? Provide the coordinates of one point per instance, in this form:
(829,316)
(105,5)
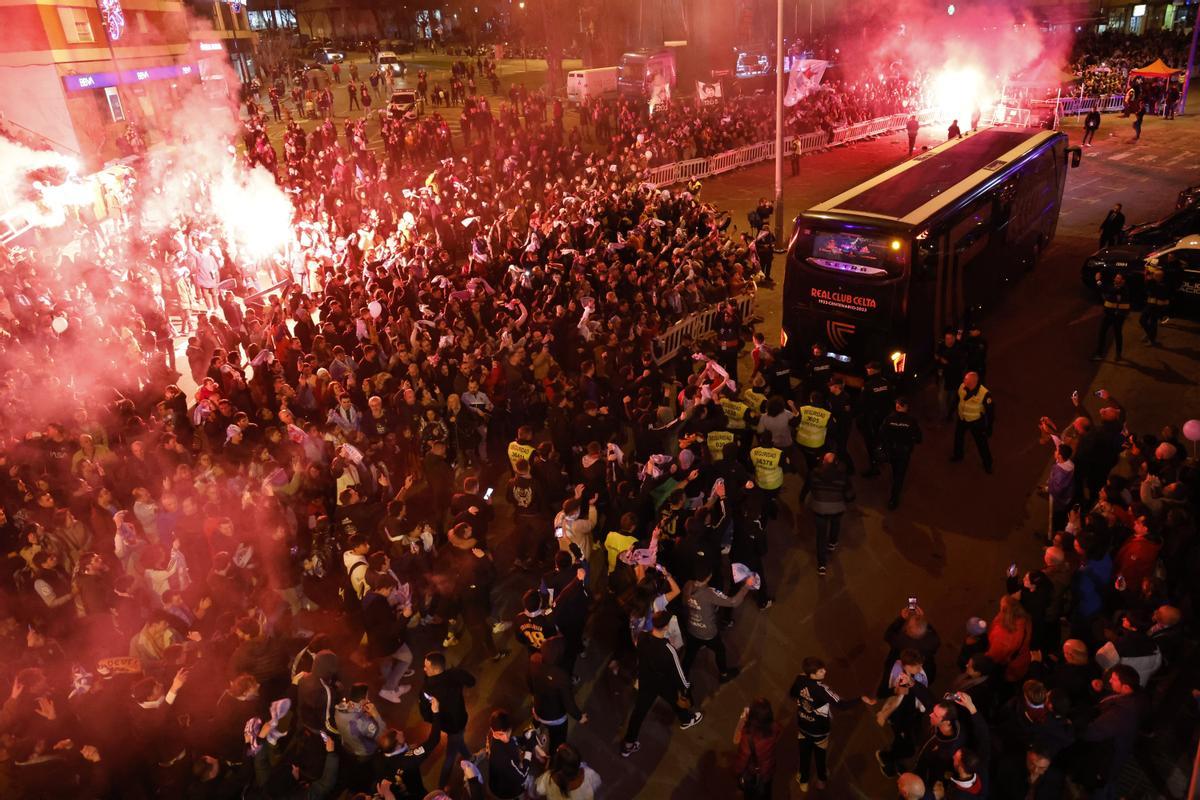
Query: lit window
(1139,10)
(76,26)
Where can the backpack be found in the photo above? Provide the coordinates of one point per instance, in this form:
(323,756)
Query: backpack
(350,599)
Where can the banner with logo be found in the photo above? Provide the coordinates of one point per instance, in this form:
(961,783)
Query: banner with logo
(804,80)
(708,92)
(660,92)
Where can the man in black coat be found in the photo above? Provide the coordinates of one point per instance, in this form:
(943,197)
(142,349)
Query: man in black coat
(1091,124)
(449,712)
(1112,226)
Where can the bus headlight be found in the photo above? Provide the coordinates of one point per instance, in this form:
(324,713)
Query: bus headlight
(898,359)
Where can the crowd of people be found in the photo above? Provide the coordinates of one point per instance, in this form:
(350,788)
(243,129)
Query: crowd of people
(1102,62)
(684,128)
(448,429)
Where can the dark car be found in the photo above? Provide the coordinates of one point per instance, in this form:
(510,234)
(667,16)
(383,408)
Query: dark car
(1188,197)
(1180,262)
(1168,230)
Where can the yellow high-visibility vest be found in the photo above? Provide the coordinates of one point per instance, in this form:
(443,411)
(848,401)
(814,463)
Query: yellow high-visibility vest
(969,410)
(519,452)
(716,443)
(814,422)
(753,399)
(767,471)
(735,412)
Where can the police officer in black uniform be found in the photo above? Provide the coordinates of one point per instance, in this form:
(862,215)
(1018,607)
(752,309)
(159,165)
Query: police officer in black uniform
(872,407)
(1116,308)
(899,434)
(778,373)
(728,329)
(817,371)
(1158,299)
(842,421)
(975,351)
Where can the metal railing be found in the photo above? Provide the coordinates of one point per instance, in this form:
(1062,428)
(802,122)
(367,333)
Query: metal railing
(1074,106)
(693,168)
(694,325)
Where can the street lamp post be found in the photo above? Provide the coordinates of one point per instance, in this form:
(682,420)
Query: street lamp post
(779,120)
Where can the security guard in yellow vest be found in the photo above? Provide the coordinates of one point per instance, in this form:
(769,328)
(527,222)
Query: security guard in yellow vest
(813,428)
(768,471)
(735,412)
(976,414)
(716,441)
(522,448)
(1116,309)
(1158,299)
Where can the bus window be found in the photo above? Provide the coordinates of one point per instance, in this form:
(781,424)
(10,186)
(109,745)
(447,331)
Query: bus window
(925,263)
(876,256)
(970,236)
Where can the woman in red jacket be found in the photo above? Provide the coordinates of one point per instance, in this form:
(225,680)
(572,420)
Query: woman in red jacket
(1008,639)
(756,738)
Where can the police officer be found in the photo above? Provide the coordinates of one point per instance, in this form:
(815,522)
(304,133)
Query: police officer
(899,434)
(818,371)
(872,406)
(728,329)
(841,421)
(976,414)
(975,351)
(951,358)
(1158,298)
(1116,309)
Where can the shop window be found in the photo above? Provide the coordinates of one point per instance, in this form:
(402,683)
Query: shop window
(76,26)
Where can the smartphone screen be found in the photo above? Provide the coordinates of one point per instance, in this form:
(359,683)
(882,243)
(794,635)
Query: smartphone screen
(488,494)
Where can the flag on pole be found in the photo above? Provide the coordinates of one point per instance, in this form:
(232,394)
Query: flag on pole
(804,80)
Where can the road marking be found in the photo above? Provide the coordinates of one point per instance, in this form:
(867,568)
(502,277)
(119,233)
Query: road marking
(1121,155)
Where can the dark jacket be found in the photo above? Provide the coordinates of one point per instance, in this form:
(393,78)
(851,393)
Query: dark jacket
(385,630)
(830,489)
(447,687)
(403,766)
(316,693)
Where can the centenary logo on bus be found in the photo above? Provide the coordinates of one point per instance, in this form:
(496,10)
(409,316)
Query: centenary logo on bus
(843,299)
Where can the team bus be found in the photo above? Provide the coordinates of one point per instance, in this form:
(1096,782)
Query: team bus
(878,272)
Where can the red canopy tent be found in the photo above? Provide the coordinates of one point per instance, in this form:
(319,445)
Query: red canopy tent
(1156,70)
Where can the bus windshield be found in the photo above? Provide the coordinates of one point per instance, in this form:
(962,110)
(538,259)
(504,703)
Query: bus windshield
(856,253)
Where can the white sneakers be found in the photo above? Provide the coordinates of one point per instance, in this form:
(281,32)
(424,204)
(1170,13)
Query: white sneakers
(394,696)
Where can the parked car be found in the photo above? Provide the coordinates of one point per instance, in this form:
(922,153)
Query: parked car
(1188,197)
(1169,229)
(403,104)
(1179,261)
(328,55)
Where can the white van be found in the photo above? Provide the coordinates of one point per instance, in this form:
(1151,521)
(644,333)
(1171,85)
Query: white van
(584,84)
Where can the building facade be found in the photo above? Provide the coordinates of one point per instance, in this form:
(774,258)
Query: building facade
(74,74)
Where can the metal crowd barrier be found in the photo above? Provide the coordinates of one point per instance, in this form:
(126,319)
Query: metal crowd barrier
(678,171)
(698,323)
